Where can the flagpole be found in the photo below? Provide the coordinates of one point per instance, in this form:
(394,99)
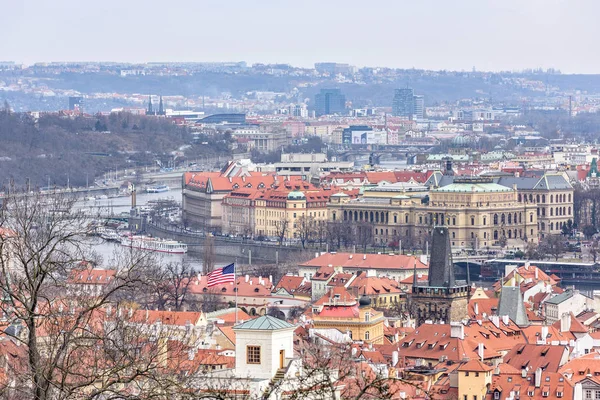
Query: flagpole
(235,288)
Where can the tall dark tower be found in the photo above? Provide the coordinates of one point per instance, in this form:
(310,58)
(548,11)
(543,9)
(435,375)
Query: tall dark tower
(160,107)
(443,299)
(150,111)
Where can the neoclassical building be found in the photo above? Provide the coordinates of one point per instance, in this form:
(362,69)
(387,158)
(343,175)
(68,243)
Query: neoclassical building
(477,211)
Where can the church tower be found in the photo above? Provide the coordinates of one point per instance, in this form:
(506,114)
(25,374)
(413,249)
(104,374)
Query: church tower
(443,299)
(161,110)
(150,111)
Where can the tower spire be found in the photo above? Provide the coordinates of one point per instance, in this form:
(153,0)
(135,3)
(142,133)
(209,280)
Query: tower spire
(150,111)
(160,107)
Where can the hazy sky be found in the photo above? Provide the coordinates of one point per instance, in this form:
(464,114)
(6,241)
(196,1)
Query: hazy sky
(431,34)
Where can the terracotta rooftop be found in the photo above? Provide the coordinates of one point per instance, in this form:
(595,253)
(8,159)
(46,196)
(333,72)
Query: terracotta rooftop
(366,261)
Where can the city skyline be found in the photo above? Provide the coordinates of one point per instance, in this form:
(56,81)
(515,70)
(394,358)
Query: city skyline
(502,36)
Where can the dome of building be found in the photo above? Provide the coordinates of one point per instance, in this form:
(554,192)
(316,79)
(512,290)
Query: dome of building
(296,195)
(364,301)
(461,141)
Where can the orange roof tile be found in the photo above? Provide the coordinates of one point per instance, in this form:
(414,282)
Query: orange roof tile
(366,261)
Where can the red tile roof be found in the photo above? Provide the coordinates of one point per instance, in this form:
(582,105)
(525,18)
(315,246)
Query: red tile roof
(475,366)
(366,261)
(532,356)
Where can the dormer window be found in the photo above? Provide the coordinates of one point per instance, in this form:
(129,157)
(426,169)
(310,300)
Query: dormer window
(223,290)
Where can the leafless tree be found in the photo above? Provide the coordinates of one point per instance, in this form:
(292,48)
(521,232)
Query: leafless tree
(73,345)
(594,249)
(363,232)
(552,245)
(306,227)
(170,284)
(332,371)
(208,255)
(281,229)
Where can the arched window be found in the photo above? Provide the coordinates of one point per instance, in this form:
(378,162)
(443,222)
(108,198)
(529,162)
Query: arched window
(406,218)
(376,231)
(551,198)
(484,220)
(510,218)
(569,211)
(543,212)
(503,219)
(453,235)
(495,219)
(453,220)
(569,197)
(551,211)
(519,198)
(537,198)
(333,215)
(367,317)
(543,198)
(371,217)
(395,219)
(472,221)
(530,217)
(367,335)
(485,235)
(551,226)
(495,235)
(377,217)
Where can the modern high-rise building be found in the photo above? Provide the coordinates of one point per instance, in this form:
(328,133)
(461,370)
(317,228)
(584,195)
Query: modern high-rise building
(419,101)
(76,103)
(330,101)
(407,104)
(403,104)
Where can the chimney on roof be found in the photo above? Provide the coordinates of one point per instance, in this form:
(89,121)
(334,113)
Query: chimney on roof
(457,330)
(394,358)
(536,273)
(523,372)
(495,320)
(538,377)
(480,351)
(505,319)
(247,277)
(364,256)
(544,334)
(565,322)
(476,307)
(350,256)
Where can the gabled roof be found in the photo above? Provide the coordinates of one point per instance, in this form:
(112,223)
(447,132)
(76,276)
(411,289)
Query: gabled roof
(475,366)
(365,261)
(532,357)
(264,323)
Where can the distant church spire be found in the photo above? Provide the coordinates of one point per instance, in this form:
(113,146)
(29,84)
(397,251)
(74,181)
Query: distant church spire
(160,107)
(150,111)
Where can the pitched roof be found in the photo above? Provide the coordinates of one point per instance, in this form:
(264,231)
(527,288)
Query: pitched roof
(474,366)
(511,304)
(532,357)
(366,261)
(264,323)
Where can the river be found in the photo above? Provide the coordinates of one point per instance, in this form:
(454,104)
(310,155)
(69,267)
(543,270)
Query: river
(117,205)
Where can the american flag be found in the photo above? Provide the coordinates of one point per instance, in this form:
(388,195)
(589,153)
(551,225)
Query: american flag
(221,275)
